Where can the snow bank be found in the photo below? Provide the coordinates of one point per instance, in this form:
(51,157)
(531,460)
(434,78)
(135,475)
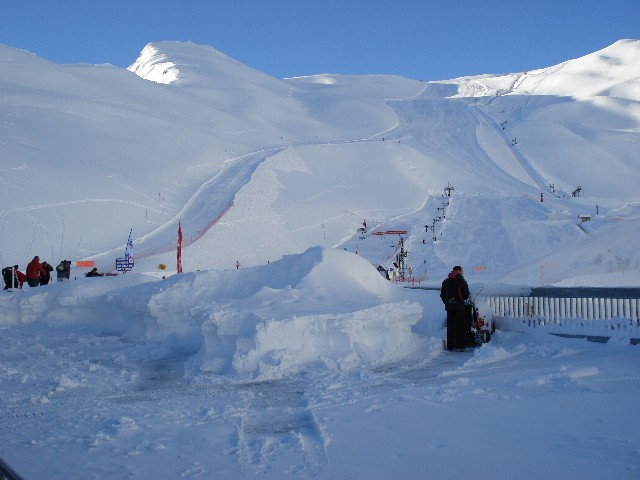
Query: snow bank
(324,307)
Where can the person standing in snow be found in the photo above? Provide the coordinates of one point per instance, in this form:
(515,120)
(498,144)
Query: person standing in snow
(45,279)
(21,277)
(34,270)
(63,270)
(454,294)
(10,277)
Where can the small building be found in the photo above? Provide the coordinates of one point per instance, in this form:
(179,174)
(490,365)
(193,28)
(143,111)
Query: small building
(584,217)
(383,271)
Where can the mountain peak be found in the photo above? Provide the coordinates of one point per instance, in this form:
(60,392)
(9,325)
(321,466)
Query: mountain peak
(187,63)
(154,65)
(169,62)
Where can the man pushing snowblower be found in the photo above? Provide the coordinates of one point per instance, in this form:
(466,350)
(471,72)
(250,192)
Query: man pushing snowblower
(454,294)
(465,327)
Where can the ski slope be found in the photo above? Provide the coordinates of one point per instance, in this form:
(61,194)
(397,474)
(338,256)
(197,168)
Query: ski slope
(304,362)
(255,167)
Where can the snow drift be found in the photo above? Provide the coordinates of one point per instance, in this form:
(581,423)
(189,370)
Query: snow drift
(325,307)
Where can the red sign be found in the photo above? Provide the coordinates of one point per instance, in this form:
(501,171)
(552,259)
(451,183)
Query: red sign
(179,247)
(390,232)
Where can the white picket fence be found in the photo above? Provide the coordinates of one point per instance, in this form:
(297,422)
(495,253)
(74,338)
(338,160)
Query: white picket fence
(588,317)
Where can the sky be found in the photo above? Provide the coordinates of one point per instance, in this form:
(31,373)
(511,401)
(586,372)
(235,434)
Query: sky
(419,39)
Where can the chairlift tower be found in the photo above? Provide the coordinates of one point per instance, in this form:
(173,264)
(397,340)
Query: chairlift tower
(448,189)
(400,259)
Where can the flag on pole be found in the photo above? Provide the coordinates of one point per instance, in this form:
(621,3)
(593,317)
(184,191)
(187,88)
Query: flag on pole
(128,251)
(179,248)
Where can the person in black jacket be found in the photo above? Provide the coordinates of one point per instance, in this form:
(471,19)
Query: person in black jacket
(45,279)
(10,277)
(94,273)
(63,270)
(454,294)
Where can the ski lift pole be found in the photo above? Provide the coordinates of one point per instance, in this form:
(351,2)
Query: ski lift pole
(473,300)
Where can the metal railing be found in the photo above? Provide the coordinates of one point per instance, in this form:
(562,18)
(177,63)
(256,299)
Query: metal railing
(596,316)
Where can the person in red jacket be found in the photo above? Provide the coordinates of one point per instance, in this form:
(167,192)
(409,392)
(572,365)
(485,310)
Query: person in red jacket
(34,270)
(21,277)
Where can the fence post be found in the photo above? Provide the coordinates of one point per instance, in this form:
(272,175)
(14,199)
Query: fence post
(599,310)
(579,308)
(546,312)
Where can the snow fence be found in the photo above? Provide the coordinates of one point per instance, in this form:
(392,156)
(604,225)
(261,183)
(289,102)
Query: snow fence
(593,317)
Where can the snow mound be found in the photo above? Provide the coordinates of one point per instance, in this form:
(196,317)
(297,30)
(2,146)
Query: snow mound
(324,307)
(322,79)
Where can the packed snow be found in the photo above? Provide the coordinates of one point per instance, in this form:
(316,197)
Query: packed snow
(281,351)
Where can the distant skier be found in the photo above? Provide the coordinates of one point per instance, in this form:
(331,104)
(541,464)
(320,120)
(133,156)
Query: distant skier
(454,294)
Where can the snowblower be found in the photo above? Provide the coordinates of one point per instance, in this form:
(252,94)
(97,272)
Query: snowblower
(478,330)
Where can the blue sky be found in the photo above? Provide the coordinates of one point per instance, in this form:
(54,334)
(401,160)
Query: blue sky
(420,39)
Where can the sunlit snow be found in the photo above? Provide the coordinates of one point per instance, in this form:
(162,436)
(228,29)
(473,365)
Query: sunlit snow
(281,352)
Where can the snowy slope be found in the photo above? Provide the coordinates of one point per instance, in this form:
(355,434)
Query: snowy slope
(313,366)
(256,167)
(305,362)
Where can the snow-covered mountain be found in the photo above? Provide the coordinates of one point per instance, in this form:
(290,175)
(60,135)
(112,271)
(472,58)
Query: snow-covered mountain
(304,362)
(256,167)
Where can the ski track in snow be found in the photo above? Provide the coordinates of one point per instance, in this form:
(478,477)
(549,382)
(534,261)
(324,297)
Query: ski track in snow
(527,166)
(275,422)
(112,394)
(214,197)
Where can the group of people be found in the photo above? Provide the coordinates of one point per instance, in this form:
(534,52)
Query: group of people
(35,275)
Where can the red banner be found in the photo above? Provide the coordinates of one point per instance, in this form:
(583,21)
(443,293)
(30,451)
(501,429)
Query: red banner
(179,248)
